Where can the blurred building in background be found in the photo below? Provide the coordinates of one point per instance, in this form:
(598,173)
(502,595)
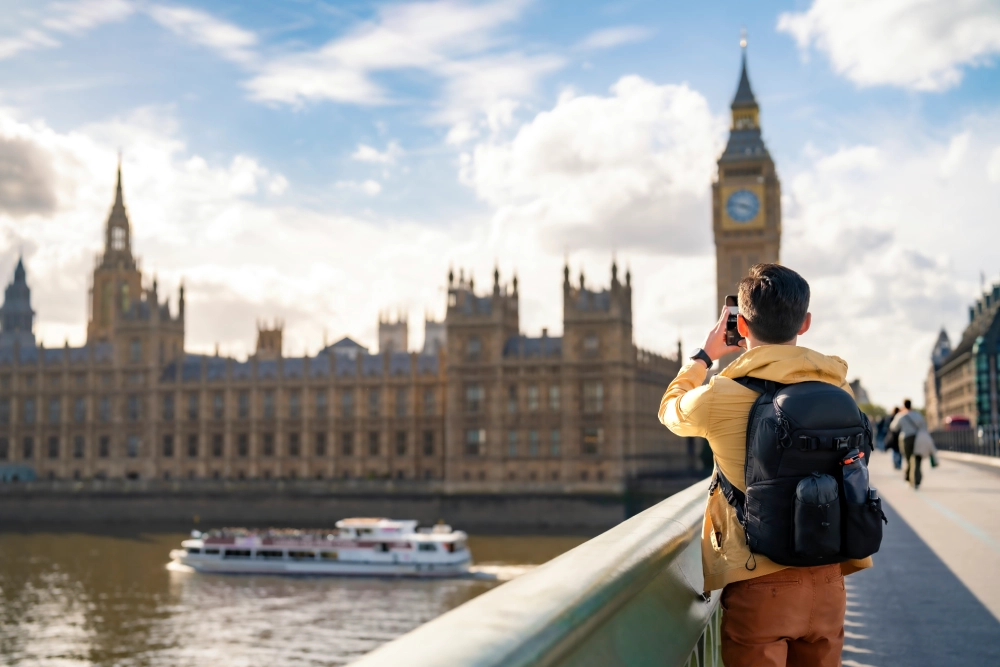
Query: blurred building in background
(480,405)
(964,381)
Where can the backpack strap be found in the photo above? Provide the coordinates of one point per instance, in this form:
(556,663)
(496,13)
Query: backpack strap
(736,498)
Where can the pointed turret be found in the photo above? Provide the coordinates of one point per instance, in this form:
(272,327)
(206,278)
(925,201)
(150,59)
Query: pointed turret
(744,98)
(745,141)
(118,231)
(16,316)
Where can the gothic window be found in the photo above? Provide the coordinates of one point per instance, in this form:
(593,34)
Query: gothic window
(533,398)
(554,397)
(428,401)
(475,442)
(4,449)
(532,443)
(168,407)
(374,398)
(401,402)
(321,444)
(243,404)
(218,405)
(373,443)
(135,350)
(217,445)
(80,410)
(192,406)
(512,398)
(293,444)
(132,408)
(104,409)
(242,445)
(53,447)
(268,444)
(4,410)
(294,403)
(78,447)
(593,438)
(192,448)
(428,443)
(28,448)
(132,446)
(347,443)
(474,396)
(118,238)
(29,411)
(104,446)
(269,404)
(347,402)
(512,443)
(473,348)
(593,397)
(54,409)
(168,446)
(555,438)
(590,344)
(400,443)
(320,399)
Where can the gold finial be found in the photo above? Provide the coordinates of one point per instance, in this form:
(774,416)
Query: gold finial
(743,38)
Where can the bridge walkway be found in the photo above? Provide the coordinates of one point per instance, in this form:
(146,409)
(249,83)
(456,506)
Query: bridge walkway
(933,597)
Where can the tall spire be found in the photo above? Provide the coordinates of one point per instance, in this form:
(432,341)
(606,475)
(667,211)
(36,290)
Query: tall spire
(119,201)
(744,94)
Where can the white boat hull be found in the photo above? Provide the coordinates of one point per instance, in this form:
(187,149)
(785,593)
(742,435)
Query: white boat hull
(211,564)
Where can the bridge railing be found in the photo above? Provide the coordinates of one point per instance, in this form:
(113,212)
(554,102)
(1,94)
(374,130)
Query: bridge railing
(984,440)
(631,596)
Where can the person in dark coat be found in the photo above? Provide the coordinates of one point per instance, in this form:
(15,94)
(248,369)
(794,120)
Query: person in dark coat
(892,441)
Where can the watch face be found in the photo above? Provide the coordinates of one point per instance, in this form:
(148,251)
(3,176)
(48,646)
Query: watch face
(742,206)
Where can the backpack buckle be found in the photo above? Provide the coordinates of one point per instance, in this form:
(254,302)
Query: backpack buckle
(808,442)
(843,442)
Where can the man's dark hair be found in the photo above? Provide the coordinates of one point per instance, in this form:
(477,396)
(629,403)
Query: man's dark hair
(907,404)
(774,301)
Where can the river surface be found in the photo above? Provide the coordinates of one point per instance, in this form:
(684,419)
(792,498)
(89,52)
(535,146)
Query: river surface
(73,598)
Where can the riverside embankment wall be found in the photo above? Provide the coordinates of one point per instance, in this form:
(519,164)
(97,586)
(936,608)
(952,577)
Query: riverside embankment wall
(314,503)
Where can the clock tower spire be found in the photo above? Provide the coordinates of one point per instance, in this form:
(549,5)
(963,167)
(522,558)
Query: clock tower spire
(746,196)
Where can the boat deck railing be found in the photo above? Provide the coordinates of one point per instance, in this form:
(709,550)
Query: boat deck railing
(631,596)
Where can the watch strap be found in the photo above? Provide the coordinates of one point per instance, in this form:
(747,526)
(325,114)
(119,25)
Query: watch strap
(701,354)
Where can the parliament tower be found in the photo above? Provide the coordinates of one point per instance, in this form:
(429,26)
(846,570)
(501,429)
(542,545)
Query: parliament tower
(746,197)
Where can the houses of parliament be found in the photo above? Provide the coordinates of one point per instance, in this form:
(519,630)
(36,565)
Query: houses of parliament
(481,405)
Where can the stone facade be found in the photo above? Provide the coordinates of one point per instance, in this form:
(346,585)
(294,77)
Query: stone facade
(482,406)
(965,381)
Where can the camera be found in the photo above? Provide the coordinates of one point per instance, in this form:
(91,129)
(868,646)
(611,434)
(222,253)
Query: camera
(733,336)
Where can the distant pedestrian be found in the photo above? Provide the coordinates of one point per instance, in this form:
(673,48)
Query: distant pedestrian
(892,441)
(907,424)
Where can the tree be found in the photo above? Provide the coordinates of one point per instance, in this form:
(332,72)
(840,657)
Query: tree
(873,411)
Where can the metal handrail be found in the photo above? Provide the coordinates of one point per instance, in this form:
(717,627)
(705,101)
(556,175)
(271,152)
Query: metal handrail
(631,596)
(983,440)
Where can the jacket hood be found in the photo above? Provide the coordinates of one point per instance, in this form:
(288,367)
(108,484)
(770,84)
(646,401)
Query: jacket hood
(788,364)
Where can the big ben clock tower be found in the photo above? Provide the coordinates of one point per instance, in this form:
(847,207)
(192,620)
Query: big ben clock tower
(746,197)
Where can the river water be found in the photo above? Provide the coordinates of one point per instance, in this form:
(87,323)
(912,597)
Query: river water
(73,598)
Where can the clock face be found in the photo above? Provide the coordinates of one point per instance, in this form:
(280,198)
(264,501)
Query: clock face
(742,206)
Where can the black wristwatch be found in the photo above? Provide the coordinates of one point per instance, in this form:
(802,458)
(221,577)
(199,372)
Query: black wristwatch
(701,354)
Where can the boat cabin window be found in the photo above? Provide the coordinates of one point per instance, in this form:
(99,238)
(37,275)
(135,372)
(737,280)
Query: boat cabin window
(194,550)
(211,552)
(302,555)
(328,555)
(427,546)
(266,553)
(460,545)
(236,553)
(382,546)
(365,531)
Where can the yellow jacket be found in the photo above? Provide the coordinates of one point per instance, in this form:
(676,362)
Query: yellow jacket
(719,411)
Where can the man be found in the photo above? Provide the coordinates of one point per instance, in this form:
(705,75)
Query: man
(772,614)
(908,423)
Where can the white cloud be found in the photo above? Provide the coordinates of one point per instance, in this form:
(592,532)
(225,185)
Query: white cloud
(365,153)
(993,166)
(83,15)
(917,44)
(608,38)
(957,148)
(628,170)
(368,187)
(25,41)
(229,41)
(457,42)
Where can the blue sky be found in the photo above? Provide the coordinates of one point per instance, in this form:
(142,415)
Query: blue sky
(321,161)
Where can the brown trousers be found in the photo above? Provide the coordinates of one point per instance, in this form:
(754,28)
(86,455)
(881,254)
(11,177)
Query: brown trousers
(791,618)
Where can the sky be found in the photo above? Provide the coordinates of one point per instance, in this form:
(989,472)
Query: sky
(325,162)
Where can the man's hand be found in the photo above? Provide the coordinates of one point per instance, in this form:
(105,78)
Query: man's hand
(715,344)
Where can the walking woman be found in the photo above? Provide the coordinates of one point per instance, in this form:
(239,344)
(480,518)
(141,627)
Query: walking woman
(892,440)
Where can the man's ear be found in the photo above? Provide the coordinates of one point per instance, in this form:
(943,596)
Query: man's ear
(741,326)
(806,323)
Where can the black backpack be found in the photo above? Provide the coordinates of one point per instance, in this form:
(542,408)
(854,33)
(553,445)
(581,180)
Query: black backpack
(795,510)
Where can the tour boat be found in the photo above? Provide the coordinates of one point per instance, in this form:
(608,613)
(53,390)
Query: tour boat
(368,547)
